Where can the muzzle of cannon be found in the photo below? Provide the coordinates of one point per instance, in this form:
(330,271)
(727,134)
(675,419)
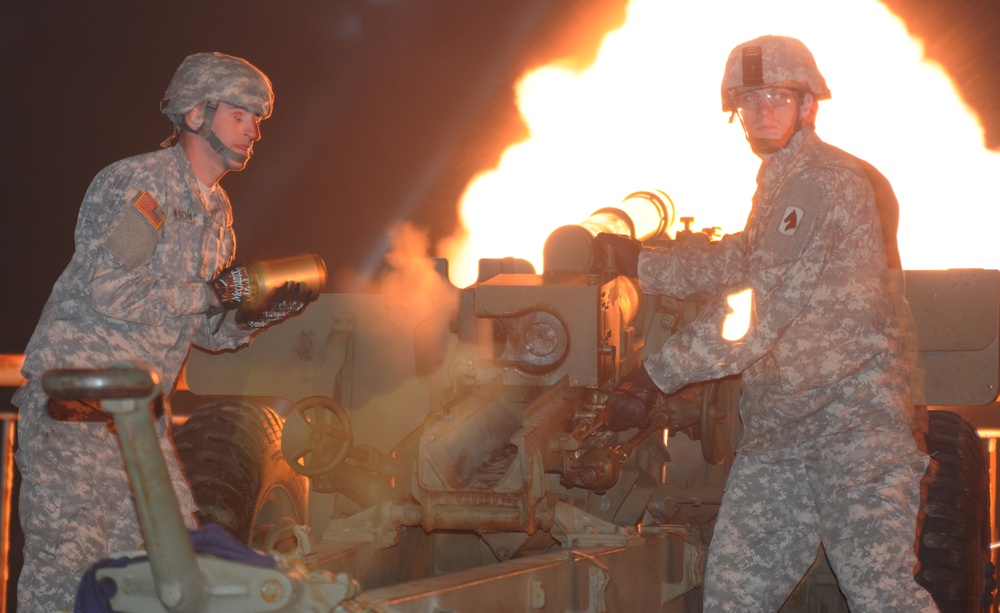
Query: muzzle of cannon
(641,215)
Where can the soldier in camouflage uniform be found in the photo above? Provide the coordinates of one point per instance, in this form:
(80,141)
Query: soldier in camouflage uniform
(150,276)
(828,452)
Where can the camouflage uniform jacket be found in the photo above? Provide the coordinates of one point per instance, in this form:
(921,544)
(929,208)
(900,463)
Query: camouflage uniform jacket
(147,240)
(823,355)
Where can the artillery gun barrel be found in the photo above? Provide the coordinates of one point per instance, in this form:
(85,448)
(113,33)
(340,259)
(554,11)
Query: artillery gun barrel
(641,215)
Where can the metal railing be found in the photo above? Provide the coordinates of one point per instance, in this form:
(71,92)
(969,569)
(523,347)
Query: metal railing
(10,376)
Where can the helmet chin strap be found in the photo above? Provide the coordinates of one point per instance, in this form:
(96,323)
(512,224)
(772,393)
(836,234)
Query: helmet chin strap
(205,130)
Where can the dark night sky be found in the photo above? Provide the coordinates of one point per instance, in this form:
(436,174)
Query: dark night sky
(384,110)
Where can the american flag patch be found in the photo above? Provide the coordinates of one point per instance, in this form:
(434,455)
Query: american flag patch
(150,209)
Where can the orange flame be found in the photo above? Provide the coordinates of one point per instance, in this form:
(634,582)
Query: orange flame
(647,114)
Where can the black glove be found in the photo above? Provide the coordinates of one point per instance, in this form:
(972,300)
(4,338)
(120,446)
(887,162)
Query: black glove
(232,287)
(284,301)
(625,249)
(631,404)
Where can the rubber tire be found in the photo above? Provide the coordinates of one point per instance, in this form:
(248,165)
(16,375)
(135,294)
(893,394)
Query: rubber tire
(231,452)
(954,546)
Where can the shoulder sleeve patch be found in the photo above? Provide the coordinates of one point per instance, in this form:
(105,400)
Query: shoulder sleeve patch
(790,220)
(150,209)
(131,240)
(793,219)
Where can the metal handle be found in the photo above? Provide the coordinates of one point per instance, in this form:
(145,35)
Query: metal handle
(126,391)
(117,381)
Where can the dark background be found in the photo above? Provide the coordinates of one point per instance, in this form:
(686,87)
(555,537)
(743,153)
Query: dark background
(384,110)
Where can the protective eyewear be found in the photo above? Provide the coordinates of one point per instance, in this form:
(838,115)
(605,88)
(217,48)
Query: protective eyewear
(775,98)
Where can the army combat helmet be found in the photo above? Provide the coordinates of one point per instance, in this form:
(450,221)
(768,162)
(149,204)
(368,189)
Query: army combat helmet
(213,78)
(771,61)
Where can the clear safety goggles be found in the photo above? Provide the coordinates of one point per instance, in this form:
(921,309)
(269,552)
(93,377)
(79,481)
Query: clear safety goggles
(776,99)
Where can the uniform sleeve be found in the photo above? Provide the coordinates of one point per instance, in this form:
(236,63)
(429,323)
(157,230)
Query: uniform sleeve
(797,240)
(694,272)
(120,228)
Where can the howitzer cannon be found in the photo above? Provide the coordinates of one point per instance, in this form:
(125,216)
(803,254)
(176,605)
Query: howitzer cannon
(462,427)
(456,442)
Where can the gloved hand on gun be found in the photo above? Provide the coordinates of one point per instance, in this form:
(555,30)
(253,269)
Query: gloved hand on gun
(631,404)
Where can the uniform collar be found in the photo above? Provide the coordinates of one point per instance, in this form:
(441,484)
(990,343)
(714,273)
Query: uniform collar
(785,160)
(209,203)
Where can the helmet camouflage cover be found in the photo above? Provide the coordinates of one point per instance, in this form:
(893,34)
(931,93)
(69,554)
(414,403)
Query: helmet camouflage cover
(217,77)
(771,61)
